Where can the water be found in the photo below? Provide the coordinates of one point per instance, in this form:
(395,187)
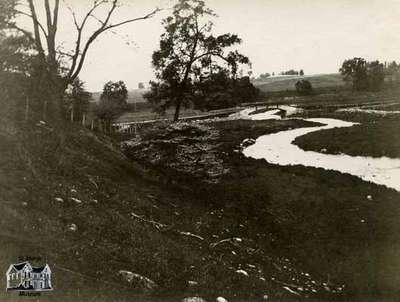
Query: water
(278,149)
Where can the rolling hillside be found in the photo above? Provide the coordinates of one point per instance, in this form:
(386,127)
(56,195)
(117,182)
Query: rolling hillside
(283,83)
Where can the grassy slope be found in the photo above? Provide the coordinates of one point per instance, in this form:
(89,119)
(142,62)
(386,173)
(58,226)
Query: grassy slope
(40,164)
(288,83)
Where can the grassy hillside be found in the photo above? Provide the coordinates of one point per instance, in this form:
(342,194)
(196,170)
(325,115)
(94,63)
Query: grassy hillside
(283,83)
(71,198)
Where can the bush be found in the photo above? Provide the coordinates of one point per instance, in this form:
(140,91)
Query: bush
(304,87)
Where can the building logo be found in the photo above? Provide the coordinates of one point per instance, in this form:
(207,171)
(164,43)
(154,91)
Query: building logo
(24,277)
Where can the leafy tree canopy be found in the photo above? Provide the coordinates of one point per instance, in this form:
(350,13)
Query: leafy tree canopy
(113,101)
(303,87)
(189,53)
(363,75)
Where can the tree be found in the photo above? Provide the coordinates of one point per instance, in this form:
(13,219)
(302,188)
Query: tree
(16,63)
(376,75)
(188,53)
(113,101)
(304,87)
(55,67)
(355,70)
(301,72)
(363,75)
(77,100)
(219,91)
(392,70)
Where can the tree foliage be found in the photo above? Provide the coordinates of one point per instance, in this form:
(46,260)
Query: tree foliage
(362,74)
(304,87)
(113,101)
(55,67)
(219,90)
(189,53)
(77,100)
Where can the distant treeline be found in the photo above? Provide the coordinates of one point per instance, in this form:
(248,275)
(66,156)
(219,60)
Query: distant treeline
(266,75)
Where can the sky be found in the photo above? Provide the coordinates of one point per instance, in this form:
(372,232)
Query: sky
(313,35)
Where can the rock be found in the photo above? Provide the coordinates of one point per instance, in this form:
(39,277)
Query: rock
(192,283)
(369,197)
(242,272)
(193,299)
(221,299)
(138,281)
(265,297)
(76,200)
(73,191)
(73,227)
(24,204)
(323,150)
(59,199)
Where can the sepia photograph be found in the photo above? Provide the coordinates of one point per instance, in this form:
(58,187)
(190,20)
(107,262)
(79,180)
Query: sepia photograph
(199,150)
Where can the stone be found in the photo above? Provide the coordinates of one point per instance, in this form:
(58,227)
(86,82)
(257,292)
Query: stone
(140,282)
(73,227)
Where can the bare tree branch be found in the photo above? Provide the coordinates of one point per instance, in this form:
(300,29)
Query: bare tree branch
(150,15)
(104,27)
(38,40)
(80,30)
(30,16)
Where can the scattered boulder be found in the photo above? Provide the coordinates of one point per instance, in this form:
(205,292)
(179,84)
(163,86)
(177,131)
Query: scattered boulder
(76,200)
(138,281)
(247,142)
(242,272)
(221,299)
(73,227)
(192,283)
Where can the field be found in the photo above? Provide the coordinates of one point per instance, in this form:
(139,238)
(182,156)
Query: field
(284,83)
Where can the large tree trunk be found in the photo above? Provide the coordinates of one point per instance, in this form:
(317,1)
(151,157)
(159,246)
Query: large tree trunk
(177,109)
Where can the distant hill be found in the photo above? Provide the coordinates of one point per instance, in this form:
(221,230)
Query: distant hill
(282,83)
(277,83)
(134,95)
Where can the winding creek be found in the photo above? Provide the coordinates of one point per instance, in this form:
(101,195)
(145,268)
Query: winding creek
(277,148)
